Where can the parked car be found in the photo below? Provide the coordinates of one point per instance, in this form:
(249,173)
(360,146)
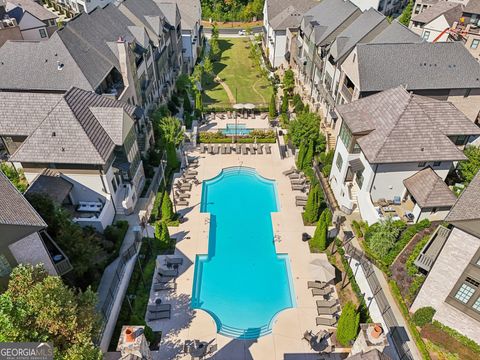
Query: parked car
(242,32)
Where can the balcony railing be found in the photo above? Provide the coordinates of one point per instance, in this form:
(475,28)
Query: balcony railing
(347,93)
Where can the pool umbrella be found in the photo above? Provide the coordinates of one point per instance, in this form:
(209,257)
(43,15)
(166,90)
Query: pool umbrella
(321,269)
(239,106)
(249,106)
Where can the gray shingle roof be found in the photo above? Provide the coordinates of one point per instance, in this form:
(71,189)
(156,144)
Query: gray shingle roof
(467,206)
(429,190)
(170,10)
(451,11)
(71,134)
(35,9)
(418,66)
(401,127)
(327,17)
(356,31)
(190,11)
(473,7)
(17,119)
(396,33)
(284,14)
(14,208)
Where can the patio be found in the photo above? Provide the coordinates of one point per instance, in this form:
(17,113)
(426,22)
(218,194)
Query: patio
(217,121)
(288,329)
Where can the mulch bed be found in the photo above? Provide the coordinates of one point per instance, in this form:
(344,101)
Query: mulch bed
(450,344)
(399,268)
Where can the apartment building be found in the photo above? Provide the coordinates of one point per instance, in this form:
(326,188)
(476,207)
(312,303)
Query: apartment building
(387,7)
(81,145)
(24,238)
(452,286)
(393,153)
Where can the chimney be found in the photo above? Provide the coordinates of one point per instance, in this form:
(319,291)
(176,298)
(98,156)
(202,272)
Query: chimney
(371,337)
(126,68)
(133,342)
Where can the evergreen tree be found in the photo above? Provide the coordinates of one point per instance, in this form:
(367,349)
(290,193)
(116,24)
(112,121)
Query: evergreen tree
(167,208)
(198,101)
(312,207)
(272,109)
(187,106)
(172,160)
(406,14)
(319,240)
(288,82)
(308,160)
(301,156)
(347,328)
(284,108)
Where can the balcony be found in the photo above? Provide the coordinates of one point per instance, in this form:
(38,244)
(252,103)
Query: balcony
(57,256)
(347,93)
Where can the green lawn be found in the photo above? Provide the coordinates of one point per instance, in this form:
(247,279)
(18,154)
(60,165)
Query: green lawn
(237,70)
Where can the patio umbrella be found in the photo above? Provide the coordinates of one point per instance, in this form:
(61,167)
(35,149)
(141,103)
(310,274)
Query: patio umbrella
(321,269)
(239,106)
(249,106)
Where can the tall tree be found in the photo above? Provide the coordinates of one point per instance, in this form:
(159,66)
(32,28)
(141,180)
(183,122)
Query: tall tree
(469,168)
(347,328)
(272,108)
(288,82)
(38,307)
(312,208)
(406,15)
(301,155)
(284,108)
(171,130)
(167,208)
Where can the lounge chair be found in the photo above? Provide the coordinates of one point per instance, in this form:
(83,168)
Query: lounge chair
(252,149)
(222,149)
(189,176)
(297,181)
(173,260)
(192,160)
(298,187)
(185,187)
(260,150)
(322,292)
(316,284)
(301,197)
(228,149)
(215,149)
(326,303)
(182,195)
(167,272)
(325,321)
(158,315)
(327,311)
(244,150)
(182,203)
(191,172)
(268,149)
(290,171)
(238,149)
(203,148)
(300,203)
(294,176)
(210,149)
(159,286)
(159,307)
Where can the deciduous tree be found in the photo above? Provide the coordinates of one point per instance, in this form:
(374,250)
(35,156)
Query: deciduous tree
(469,168)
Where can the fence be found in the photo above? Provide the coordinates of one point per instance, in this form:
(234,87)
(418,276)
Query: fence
(397,333)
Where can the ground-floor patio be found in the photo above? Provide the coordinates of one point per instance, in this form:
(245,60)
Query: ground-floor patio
(286,340)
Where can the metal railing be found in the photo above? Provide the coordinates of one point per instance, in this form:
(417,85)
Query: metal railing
(397,333)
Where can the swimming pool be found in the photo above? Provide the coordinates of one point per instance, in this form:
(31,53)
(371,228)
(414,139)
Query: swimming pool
(241,130)
(242,282)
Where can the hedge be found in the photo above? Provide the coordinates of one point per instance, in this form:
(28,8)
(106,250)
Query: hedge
(348,322)
(240,140)
(466,341)
(423,316)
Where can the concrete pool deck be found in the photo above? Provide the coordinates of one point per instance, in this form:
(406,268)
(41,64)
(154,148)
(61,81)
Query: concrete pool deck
(285,341)
(219,123)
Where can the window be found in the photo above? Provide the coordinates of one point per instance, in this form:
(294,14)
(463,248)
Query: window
(5,268)
(476,305)
(359,179)
(426,35)
(417,8)
(474,44)
(422,164)
(437,163)
(339,162)
(43,33)
(114,184)
(466,290)
(346,136)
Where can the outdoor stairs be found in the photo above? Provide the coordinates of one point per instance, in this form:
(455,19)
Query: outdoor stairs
(243,334)
(353,194)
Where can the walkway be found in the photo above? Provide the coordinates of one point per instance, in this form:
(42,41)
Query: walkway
(231,98)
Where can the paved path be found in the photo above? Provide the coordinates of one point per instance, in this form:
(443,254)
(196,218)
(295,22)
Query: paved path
(231,98)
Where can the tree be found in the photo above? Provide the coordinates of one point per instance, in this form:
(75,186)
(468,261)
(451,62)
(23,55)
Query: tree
(198,102)
(301,155)
(312,208)
(284,107)
(182,84)
(15,176)
(38,307)
(215,32)
(383,236)
(272,108)
(347,328)
(187,106)
(215,51)
(171,130)
(319,240)
(469,168)
(167,208)
(406,15)
(208,66)
(161,232)
(288,82)
(307,162)
(306,127)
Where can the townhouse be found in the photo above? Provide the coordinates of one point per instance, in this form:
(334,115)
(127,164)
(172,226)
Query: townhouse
(80,146)
(387,7)
(35,22)
(279,17)
(24,238)
(393,153)
(452,261)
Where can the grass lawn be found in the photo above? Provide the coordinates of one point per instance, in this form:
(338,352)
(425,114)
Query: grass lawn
(240,74)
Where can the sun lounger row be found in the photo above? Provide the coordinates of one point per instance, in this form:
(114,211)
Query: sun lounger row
(243,149)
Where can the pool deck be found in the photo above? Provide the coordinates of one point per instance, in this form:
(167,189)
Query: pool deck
(285,341)
(250,123)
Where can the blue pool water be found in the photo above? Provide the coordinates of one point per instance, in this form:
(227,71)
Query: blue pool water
(242,282)
(241,130)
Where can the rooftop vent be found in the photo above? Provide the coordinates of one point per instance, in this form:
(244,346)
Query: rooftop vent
(53,134)
(59,65)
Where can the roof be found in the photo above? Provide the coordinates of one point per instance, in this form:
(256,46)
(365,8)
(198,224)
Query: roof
(396,33)
(72,134)
(472,7)
(423,66)
(190,11)
(148,13)
(284,14)
(400,127)
(326,17)
(467,206)
(170,10)
(356,31)
(51,184)
(452,12)
(370,355)
(35,9)
(14,208)
(429,190)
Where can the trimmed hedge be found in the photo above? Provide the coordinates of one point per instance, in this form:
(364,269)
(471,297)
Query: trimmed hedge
(348,322)
(423,316)
(260,136)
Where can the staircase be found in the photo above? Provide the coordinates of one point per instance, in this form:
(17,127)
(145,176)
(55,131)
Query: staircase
(353,191)
(244,334)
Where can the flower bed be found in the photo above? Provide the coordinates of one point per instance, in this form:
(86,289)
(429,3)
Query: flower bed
(259,136)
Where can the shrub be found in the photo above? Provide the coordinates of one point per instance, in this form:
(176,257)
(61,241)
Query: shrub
(272,108)
(383,238)
(302,151)
(307,162)
(284,107)
(154,215)
(167,208)
(319,240)
(326,170)
(348,324)
(423,316)
(312,208)
(187,106)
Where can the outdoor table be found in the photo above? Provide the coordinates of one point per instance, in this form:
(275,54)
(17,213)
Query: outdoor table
(198,351)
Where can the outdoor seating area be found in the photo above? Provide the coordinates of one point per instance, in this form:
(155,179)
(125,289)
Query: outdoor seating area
(220,120)
(397,209)
(298,182)
(239,149)
(183,185)
(199,349)
(319,341)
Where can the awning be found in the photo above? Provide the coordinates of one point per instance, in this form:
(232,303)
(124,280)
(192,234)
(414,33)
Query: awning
(356,165)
